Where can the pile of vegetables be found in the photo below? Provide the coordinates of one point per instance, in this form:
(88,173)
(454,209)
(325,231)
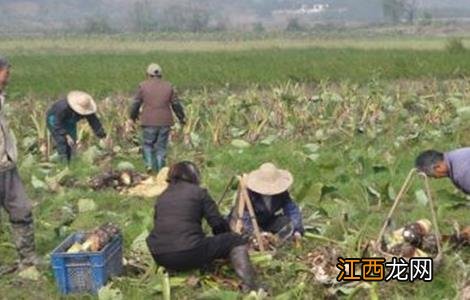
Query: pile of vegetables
(413,240)
(96,240)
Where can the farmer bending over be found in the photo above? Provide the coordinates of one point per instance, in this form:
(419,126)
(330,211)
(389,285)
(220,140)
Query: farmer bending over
(157,99)
(62,119)
(274,208)
(177,240)
(454,164)
(13,197)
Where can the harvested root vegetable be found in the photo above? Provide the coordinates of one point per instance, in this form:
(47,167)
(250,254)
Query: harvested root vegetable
(116,179)
(465,233)
(269,240)
(126,179)
(415,232)
(407,251)
(419,241)
(413,240)
(458,239)
(395,238)
(412,234)
(96,239)
(92,243)
(429,244)
(76,248)
(151,187)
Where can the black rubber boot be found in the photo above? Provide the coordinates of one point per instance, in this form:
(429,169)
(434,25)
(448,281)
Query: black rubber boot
(23,236)
(242,265)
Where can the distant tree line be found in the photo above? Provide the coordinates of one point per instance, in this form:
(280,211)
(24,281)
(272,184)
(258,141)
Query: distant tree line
(191,16)
(397,10)
(113,16)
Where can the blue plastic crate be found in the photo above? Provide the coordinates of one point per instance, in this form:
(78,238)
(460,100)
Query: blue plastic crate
(85,272)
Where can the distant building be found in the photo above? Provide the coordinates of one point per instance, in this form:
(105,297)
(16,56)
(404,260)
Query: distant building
(304,10)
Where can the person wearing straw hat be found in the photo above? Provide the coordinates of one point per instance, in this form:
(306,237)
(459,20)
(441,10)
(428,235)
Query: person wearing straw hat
(62,119)
(155,102)
(275,210)
(454,165)
(13,196)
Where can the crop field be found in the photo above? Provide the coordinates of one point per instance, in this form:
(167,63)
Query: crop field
(104,66)
(347,121)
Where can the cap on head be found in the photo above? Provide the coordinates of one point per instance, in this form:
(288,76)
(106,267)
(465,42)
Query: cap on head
(154,70)
(82,103)
(269,180)
(4,64)
(427,161)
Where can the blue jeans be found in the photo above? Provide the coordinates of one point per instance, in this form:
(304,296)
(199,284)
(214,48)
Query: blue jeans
(155,143)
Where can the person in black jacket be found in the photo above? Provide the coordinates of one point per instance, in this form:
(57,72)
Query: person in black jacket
(62,119)
(177,240)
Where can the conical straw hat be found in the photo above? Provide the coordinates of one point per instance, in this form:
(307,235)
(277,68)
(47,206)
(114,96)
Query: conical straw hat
(269,180)
(82,103)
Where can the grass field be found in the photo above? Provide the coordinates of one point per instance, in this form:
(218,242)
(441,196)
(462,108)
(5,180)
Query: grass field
(49,68)
(368,112)
(104,74)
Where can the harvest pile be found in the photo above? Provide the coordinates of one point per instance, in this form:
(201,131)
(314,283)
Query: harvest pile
(117,180)
(150,187)
(96,239)
(414,240)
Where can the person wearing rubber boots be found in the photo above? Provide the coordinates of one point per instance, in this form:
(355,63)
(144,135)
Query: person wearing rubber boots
(178,241)
(62,119)
(13,197)
(154,102)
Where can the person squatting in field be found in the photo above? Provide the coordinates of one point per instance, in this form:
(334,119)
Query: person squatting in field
(177,240)
(154,102)
(454,164)
(13,197)
(62,119)
(274,208)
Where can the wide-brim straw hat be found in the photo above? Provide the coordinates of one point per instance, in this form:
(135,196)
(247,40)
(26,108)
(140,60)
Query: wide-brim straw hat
(82,103)
(269,180)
